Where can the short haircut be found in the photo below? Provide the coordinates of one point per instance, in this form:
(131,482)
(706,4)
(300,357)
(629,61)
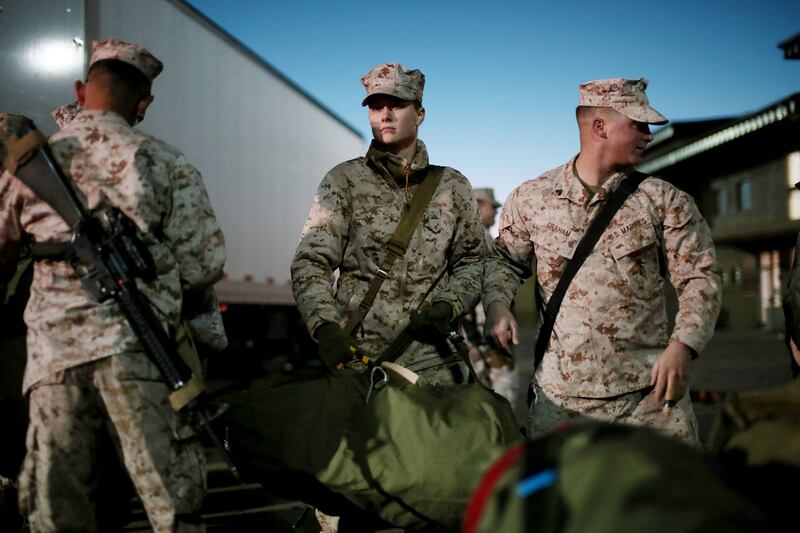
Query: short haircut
(582,110)
(123,73)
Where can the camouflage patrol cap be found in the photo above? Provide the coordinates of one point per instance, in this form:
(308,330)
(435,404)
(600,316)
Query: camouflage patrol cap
(485,195)
(129,53)
(64,114)
(625,96)
(9,124)
(395,80)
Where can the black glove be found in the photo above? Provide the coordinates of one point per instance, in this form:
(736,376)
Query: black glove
(432,324)
(334,345)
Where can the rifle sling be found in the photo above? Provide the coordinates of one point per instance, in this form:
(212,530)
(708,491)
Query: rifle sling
(396,248)
(582,251)
(52,251)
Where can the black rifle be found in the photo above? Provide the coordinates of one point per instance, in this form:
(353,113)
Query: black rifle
(109,261)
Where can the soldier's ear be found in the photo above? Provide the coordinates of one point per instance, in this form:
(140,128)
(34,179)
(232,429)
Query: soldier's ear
(599,127)
(142,106)
(80,92)
(420,116)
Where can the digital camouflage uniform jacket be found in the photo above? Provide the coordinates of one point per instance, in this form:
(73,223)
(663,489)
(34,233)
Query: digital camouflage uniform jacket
(612,324)
(153,184)
(354,214)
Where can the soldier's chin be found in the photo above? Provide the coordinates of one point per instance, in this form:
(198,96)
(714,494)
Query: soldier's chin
(636,158)
(387,139)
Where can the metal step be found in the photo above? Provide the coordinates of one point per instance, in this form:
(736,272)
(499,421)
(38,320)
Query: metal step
(230,506)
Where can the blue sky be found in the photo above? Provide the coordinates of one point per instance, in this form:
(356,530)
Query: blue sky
(502,77)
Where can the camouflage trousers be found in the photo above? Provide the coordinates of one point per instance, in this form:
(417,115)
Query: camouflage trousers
(639,408)
(74,412)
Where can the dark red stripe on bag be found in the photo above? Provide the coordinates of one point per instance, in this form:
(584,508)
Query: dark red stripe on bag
(487,485)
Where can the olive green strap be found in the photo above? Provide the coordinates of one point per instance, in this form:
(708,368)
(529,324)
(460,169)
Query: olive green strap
(396,248)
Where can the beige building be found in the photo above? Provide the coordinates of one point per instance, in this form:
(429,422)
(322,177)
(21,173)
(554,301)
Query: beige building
(741,171)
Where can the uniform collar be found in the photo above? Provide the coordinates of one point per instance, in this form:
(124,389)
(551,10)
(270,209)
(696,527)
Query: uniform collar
(569,186)
(611,184)
(98,115)
(390,166)
(572,189)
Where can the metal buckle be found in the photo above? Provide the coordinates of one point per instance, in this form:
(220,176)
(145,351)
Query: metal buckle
(395,249)
(381,273)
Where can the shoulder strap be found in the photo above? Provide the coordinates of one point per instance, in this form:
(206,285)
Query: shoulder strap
(404,339)
(396,248)
(582,251)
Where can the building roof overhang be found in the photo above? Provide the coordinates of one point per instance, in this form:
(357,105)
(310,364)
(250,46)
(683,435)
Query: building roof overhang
(761,234)
(718,132)
(791,47)
(755,237)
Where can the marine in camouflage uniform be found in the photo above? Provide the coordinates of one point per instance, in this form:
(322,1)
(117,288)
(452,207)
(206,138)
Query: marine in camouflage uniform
(14,282)
(353,216)
(611,355)
(493,365)
(87,378)
(201,313)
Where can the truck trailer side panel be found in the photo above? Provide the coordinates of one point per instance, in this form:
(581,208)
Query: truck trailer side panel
(261,143)
(43,50)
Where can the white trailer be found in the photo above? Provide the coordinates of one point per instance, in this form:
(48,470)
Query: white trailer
(260,141)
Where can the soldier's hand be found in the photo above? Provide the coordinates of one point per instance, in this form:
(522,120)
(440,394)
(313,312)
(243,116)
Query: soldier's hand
(334,346)
(670,374)
(498,358)
(432,323)
(795,351)
(501,325)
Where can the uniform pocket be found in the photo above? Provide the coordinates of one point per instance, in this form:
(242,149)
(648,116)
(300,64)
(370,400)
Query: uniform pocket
(635,254)
(432,242)
(552,251)
(555,244)
(632,242)
(437,228)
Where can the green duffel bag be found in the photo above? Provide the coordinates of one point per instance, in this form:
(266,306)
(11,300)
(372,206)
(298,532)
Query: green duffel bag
(409,457)
(751,424)
(756,448)
(604,478)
